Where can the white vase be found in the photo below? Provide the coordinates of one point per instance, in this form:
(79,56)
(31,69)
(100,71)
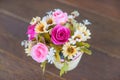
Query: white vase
(71,64)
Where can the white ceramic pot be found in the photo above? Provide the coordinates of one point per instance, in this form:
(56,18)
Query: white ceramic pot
(71,65)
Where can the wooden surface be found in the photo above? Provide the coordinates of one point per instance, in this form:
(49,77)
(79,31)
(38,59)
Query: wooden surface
(106,8)
(104,64)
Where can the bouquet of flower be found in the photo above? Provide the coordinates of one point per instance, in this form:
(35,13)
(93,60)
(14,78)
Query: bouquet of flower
(57,38)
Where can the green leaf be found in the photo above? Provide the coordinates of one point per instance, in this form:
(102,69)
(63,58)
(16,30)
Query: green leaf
(80,44)
(58,49)
(70,26)
(43,66)
(85,50)
(64,69)
(57,56)
(50,27)
(46,37)
(40,38)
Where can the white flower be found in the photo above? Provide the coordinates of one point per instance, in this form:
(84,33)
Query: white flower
(49,13)
(87,35)
(57,9)
(82,28)
(25,43)
(28,45)
(75,14)
(69,50)
(41,27)
(49,20)
(86,22)
(77,37)
(35,20)
(72,41)
(51,55)
(70,17)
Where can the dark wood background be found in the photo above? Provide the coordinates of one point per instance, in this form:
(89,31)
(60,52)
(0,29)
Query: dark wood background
(104,64)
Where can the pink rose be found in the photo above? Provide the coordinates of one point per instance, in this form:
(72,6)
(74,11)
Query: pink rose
(60,34)
(31,32)
(39,52)
(60,17)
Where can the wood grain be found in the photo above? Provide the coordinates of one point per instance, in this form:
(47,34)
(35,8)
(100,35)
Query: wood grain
(103,29)
(14,64)
(106,8)
(13,54)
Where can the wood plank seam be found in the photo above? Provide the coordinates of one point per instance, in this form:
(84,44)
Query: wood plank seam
(13,15)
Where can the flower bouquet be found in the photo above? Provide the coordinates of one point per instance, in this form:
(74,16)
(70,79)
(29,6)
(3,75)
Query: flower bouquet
(58,39)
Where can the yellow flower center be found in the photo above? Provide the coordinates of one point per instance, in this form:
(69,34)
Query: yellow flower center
(39,28)
(70,50)
(49,21)
(77,37)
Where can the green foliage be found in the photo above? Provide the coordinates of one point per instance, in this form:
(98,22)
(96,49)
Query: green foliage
(85,50)
(40,38)
(70,26)
(84,47)
(43,66)
(80,44)
(46,37)
(57,55)
(50,27)
(58,49)
(64,69)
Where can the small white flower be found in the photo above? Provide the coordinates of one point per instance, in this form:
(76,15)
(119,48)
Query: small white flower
(77,37)
(75,14)
(86,22)
(41,27)
(87,35)
(25,43)
(51,55)
(72,41)
(28,45)
(49,20)
(49,13)
(35,20)
(57,9)
(82,28)
(69,50)
(70,17)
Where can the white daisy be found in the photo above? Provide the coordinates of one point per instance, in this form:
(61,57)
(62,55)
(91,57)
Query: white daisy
(83,29)
(29,44)
(75,14)
(41,27)
(69,50)
(24,43)
(72,41)
(51,55)
(77,37)
(49,13)
(35,20)
(70,17)
(49,20)
(86,22)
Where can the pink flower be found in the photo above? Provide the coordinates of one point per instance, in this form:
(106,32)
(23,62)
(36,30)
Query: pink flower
(60,17)
(39,52)
(60,34)
(31,32)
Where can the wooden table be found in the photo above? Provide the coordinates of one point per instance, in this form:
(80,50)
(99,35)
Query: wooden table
(104,64)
